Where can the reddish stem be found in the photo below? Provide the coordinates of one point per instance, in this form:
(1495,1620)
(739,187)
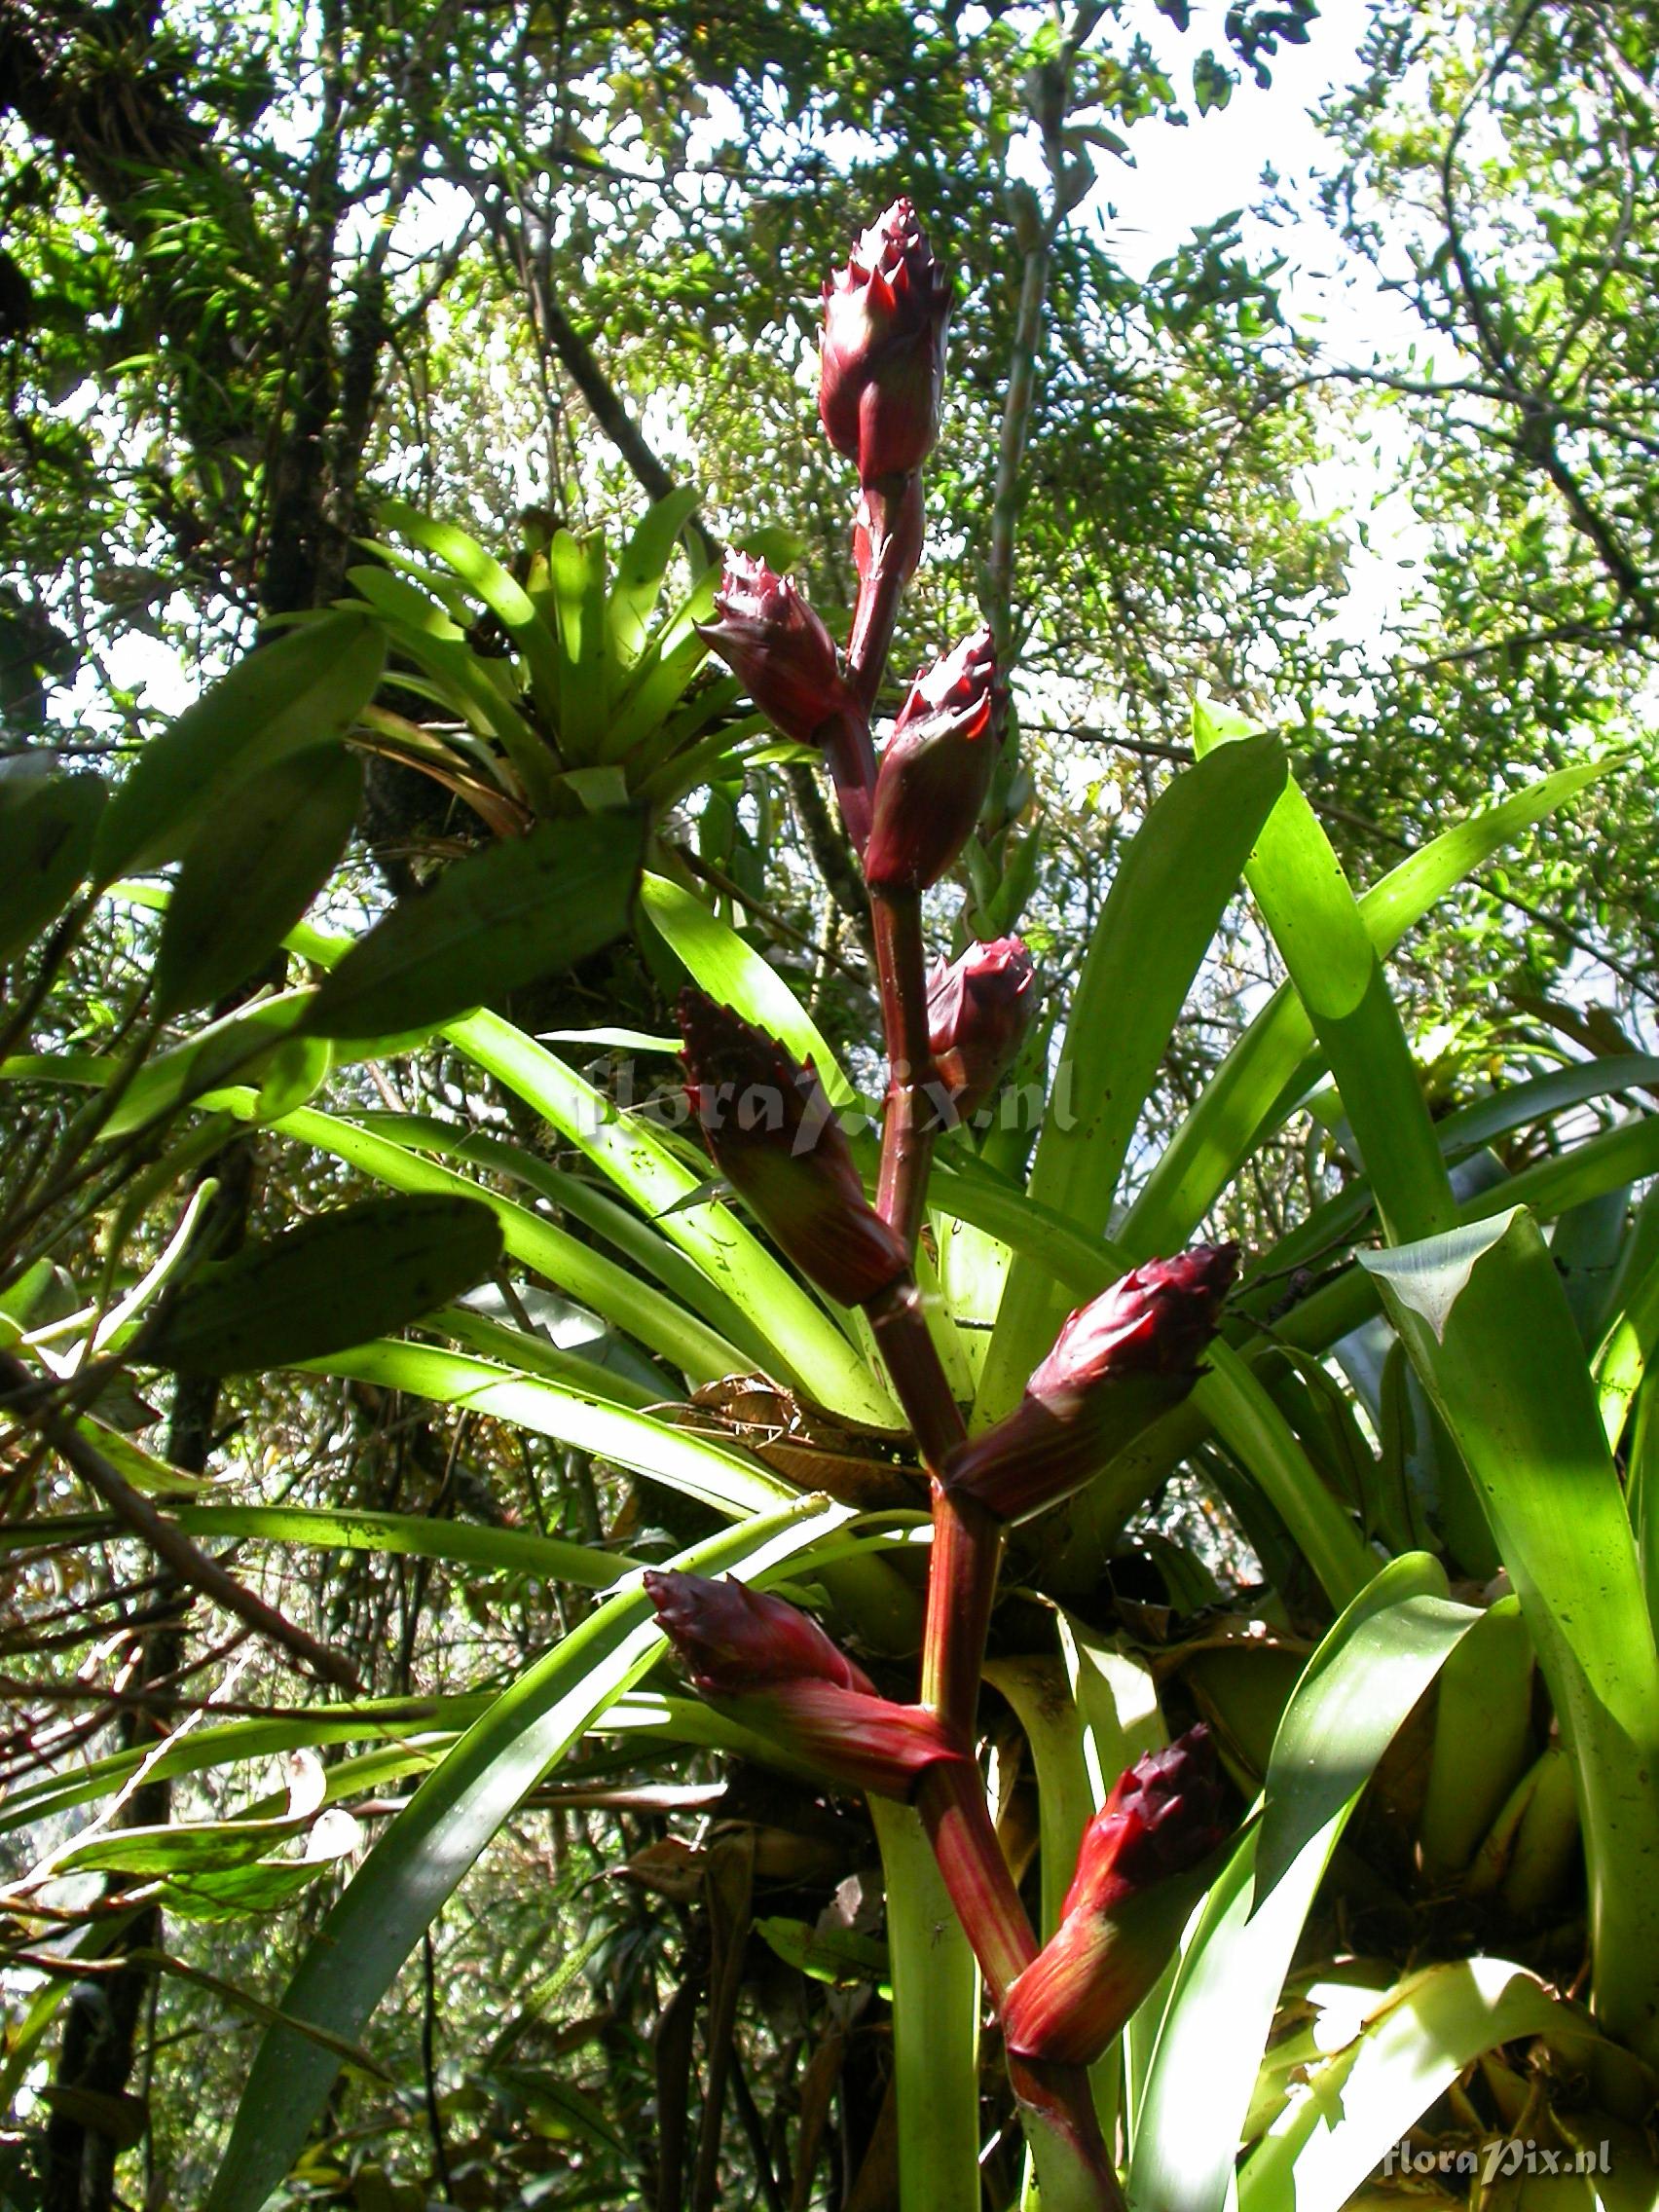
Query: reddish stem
(962,1590)
(952,1805)
(909,1120)
(887,545)
(967,1545)
(850,752)
(918,1375)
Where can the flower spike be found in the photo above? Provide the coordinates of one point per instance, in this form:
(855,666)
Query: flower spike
(1138,1875)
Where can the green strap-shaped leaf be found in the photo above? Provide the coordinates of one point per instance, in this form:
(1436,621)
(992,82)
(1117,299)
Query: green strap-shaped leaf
(652,693)
(1416,2040)
(417,1535)
(425,1854)
(335,1279)
(453,676)
(936,2022)
(499,919)
(1304,898)
(576,573)
(1343,1219)
(1214,1140)
(640,573)
(251,869)
(1080,1716)
(505,599)
(1491,1336)
(307,688)
(1172,889)
(807,1345)
(716,1474)
(47,833)
(235,1743)
(1628,1342)
(1369,1670)
(1041,1695)
(562,1260)
(608,1217)
(528,1352)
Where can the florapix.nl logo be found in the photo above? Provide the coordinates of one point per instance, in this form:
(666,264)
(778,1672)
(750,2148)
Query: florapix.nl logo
(1501,2158)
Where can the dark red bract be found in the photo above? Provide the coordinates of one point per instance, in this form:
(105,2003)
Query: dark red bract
(1164,1814)
(733,1639)
(936,770)
(979,1009)
(776,1671)
(777,647)
(882,365)
(1117,1365)
(1156,1322)
(777,1142)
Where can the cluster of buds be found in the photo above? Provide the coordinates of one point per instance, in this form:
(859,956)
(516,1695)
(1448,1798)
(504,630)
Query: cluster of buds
(769,1666)
(1138,1871)
(774,1138)
(951,1036)
(882,379)
(1117,1365)
(979,1010)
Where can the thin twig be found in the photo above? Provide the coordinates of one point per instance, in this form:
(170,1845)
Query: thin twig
(164,1537)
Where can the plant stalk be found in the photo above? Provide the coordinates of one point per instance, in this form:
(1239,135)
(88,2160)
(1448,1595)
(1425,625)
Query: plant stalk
(909,1121)
(951,1802)
(1056,2110)
(888,540)
(850,752)
(962,1591)
(1056,2103)
(917,1372)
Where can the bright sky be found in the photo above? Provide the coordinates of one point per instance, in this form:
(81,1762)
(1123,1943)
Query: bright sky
(1184,179)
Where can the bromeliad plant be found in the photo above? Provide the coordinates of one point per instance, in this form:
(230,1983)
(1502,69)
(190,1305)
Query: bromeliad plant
(1407,1391)
(560,690)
